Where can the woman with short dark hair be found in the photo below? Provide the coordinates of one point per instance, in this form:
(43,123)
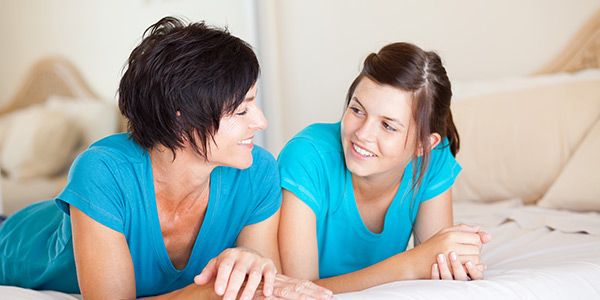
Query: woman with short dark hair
(182,200)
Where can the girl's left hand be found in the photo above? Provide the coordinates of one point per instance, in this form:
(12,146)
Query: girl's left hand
(450,268)
(231,268)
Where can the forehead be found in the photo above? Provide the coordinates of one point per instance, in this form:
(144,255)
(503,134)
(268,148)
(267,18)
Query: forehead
(383,99)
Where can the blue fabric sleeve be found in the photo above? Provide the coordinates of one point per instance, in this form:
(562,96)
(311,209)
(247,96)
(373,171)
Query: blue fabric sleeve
(301,170)
(265,186)
(93,188)
(442,172)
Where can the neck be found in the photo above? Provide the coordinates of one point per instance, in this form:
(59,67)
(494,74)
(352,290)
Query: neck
(187,177)
(379,186)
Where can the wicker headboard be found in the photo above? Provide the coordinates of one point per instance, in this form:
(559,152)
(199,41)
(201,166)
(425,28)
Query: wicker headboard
(582,52)
(49,76)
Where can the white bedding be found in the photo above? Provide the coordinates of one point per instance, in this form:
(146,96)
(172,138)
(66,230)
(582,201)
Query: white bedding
(535,254)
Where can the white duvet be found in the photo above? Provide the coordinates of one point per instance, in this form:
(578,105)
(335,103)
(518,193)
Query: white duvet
(535,253)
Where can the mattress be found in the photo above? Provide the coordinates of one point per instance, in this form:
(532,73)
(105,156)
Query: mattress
(535,253)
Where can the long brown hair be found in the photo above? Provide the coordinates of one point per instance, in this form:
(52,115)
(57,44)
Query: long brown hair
(410,68)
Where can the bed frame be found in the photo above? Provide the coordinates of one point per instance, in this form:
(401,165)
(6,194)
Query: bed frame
(49,76)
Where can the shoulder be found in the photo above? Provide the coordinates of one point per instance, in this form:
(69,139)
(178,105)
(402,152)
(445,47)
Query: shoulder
(316,139)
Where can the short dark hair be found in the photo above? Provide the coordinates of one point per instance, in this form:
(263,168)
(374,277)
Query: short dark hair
(180,80)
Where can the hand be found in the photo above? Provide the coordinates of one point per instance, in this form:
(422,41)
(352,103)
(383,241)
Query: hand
(231,268)
(291,288)
(466,241)
(449,268)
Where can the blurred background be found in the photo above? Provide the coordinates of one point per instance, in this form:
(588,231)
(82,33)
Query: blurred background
(310,50)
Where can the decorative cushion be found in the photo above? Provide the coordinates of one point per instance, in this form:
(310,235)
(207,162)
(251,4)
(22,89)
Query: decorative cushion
(38,142)
(578,185)
(515,143)
(96,118)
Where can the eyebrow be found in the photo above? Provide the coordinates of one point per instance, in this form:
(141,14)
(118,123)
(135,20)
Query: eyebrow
(249,99)
(385,117)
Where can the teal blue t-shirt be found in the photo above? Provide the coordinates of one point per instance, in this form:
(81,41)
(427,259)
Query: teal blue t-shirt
(112,183)
(312,167)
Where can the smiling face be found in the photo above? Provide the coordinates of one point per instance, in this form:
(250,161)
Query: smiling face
(378,130)
(233,144)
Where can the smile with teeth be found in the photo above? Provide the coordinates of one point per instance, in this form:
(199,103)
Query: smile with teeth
(245,142)
(362,151)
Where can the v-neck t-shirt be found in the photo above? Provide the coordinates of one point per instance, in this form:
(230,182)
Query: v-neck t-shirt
(312,167)
(112,183)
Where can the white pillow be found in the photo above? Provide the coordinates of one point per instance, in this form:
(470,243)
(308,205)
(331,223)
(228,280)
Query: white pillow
(515,143)
(578,185)
(96,118)
(38,142)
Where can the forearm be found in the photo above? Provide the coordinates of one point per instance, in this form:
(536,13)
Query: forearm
(192,291)
(408,265)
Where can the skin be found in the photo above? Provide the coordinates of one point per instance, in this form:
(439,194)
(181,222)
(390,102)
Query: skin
(105,269)
(377,134)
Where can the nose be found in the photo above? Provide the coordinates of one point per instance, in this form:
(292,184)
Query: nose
(366,131)
(259,122)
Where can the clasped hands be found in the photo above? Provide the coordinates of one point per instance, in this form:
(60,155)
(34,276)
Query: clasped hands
(244,269)
(458,253)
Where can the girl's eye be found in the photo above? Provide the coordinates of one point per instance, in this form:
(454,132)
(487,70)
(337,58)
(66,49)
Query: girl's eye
(387,127)
(241,113)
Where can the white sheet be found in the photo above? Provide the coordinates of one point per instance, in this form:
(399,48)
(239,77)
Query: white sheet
(535,253)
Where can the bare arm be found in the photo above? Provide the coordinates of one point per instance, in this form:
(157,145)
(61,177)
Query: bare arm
(104,264)
(299,250)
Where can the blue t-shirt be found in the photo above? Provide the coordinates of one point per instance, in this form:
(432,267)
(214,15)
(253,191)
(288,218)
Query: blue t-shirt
(312,167)
(112,183)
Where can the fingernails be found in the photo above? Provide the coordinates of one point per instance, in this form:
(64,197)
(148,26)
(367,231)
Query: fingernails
(453,256)
(220,290)
(440,258)
(469,264)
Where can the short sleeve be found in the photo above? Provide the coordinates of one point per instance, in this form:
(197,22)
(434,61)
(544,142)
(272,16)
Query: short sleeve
(93,188)
(442,172)
(301,169)
(265,185)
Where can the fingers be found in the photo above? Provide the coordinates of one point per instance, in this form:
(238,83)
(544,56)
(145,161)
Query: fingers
(269,281)
(236,279)
(239,267)
(291,288)
(435,272)
(457,268)
(208,273)
(485,237)
(444,267)
(475,272)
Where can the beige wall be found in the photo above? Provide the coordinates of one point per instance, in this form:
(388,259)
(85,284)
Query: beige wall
(321,44)
(97,36)
(310,50)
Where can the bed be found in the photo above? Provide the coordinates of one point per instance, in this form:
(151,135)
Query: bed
(52,117)
(530,151)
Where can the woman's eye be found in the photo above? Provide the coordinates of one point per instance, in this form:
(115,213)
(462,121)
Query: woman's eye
(387,127)
(241,113)
(356,110)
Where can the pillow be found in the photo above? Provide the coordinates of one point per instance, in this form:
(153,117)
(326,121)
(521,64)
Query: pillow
(96,118)
(38,142)
(515,143)
(578,185)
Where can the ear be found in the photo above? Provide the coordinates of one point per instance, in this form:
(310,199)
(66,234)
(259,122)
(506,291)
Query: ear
(434,140)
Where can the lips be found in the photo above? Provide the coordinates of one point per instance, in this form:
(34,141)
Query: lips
(361,151)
